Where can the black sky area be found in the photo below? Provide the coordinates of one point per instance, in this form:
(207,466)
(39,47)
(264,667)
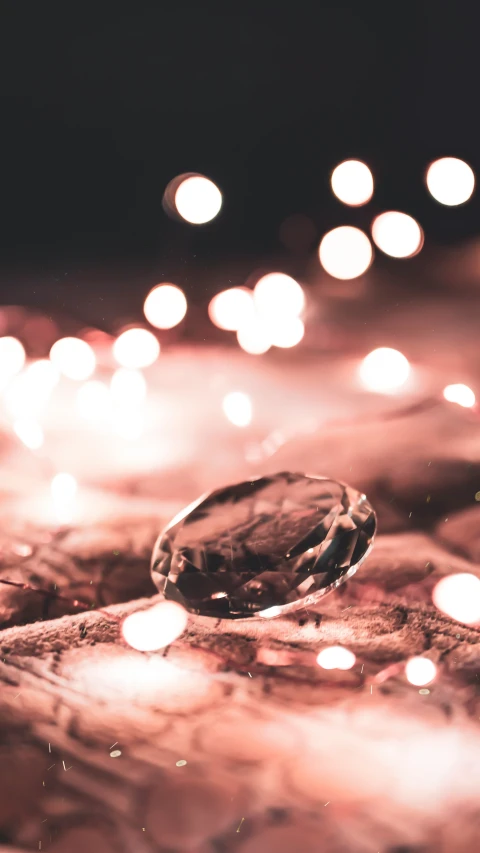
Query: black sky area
(103,104)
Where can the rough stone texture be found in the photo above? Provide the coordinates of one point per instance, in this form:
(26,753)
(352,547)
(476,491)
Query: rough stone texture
(281,755)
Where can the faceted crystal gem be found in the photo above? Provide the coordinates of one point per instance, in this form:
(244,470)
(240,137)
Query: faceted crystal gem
(282,541)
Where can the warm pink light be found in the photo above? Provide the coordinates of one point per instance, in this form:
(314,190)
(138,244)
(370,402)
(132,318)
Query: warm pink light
(397,234)
(136,348)
(277,295)
(129,424)
(12,358)
(43,375)
(237,407)
(28,392)
(155,628)
(345,252)
(336,657)
(198,200)
(253,337)
(450,181)
(73,357)
(165,306)
(128,387)
(286,333)
(461,394)
(420,671)
(459,597)
(352,182)
(384,370)
(29,432)
(64,491)
(231,308)
(93,401)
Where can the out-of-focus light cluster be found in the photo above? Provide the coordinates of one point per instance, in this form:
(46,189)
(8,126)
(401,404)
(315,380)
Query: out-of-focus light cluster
(352,183)
(461,394)
(155,628)
(136,348)
(450,181)
(384,370)
(458,596)
(345,252)
(198,200)
(73,358)
(397,234)
(165,306)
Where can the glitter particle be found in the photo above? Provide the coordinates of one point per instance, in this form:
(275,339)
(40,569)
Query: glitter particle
(181,763)
(115,753)
(424,691)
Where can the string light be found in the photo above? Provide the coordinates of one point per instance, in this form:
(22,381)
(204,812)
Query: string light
(74,358)
(397,234)
(336,657)
(450,181)
(231,308)
(156,627)
(458,596)
(384,370)
(198,200)
(345,252)
(420,671)
(237,407)
(165,306)
(136,348)
(253,337)
(286,333)
(277,295)
(461,394)
(352,182)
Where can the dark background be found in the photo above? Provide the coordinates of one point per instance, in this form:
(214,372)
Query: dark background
(102,105)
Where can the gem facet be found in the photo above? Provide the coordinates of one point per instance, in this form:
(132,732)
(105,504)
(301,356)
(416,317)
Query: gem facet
(281,541)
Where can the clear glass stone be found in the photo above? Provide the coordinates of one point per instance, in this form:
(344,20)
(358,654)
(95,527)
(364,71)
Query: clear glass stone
(282,541)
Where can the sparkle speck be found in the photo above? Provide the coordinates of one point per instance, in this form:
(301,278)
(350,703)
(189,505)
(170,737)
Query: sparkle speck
(424,691)
(181,763)
(115,753)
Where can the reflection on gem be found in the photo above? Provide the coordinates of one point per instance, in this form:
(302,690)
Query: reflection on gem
(270,544)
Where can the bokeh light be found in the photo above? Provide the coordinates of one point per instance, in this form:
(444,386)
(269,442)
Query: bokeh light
(397,234)
(450,181)
(345,252)
(156,627)
(74,358)
(253,337)
(352,182)
(12,358)
(461,394)
(336,657)
(136,348)
(165,306)
(93,401)
(30,432)
(420,671)
(458,596)
(128,387)
(278,295)
(237,407)
(64,489)
(232,308)
(384,370)
(130,424)
(44,376)
(198,200)
(286,332)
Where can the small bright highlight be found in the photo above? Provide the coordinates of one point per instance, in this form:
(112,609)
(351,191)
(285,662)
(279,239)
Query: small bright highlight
(397,234)
(352,183)
(278,295)
(336,657)
(155,628)
(165,306)
(136,348)
(30,432)
(450,181)
(74,358)
(12,358)
(458,596)
(461,394)
(384,370)
(270,612)
(345,252)
(128,387)
(198,200)
(237,407)
(231,309)
(420,671)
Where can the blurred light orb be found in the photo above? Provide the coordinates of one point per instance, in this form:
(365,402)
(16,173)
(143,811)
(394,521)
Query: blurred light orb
(43,374)
(278,295)
(198,200)
(128,387)
(286,333)
(237,407)
(165,306)
(420,671)
(12,358)
(136,348)
(130,425)
(93,401)
(231,309)
(30,432)
(384,370)
(64,488)
(352,182)
(74,358)
(253,337)
(345,252)
(336,657)
(397,234)
(458,596)
(461,394)
(156,627)
(450,181)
